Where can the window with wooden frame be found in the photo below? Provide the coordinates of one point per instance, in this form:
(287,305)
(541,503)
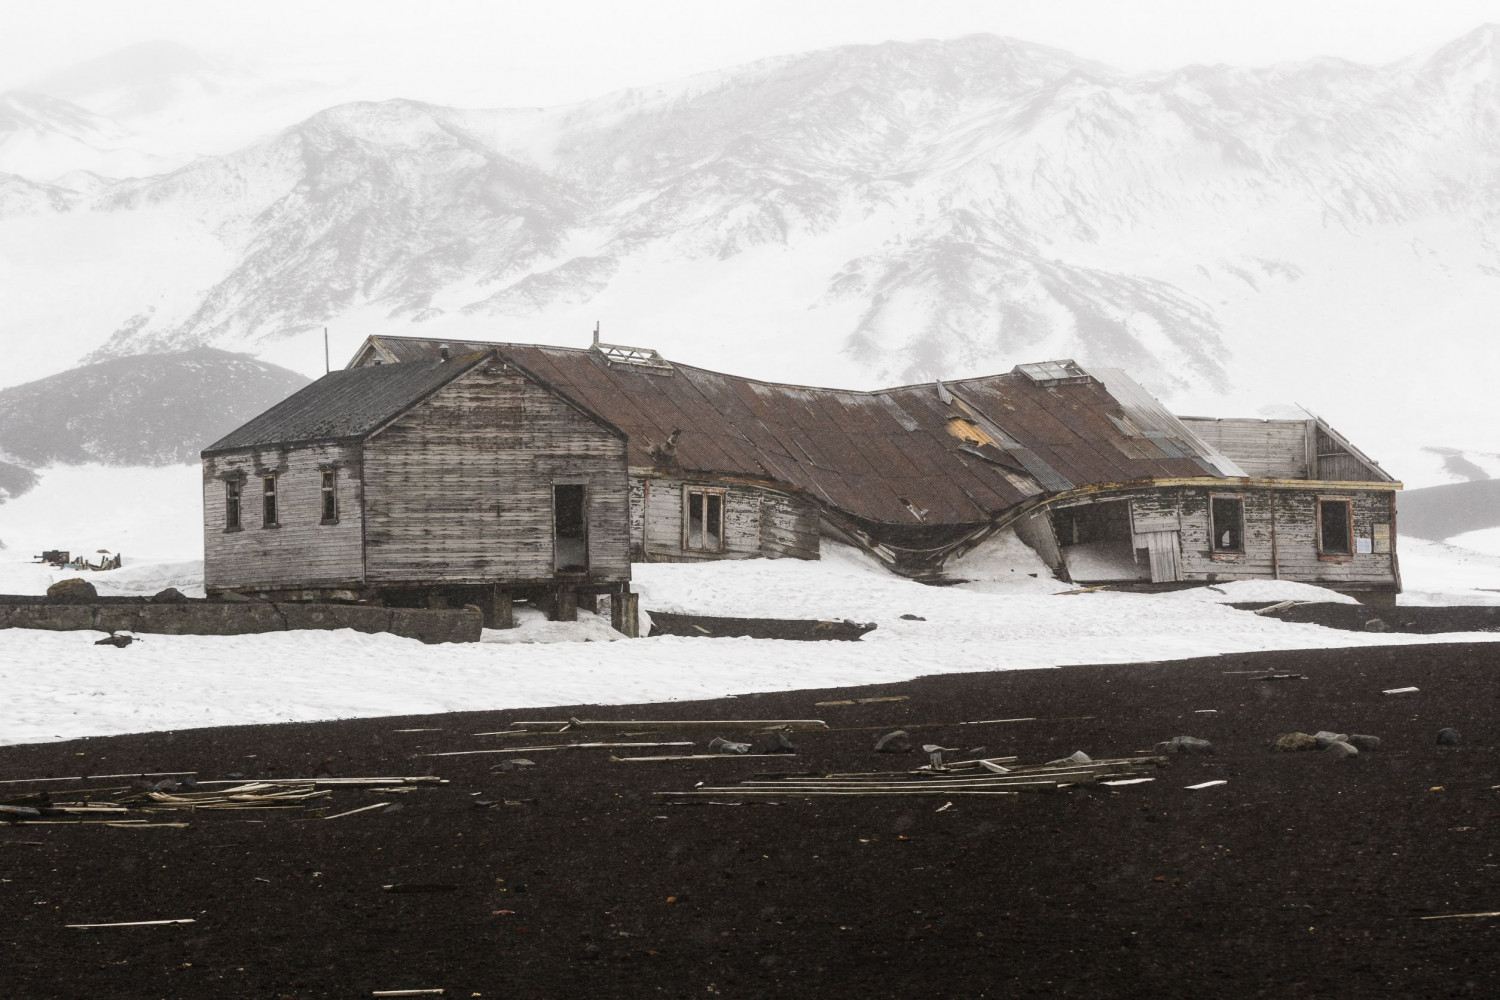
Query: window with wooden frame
(268,511)
(330,496)
(1335,528)
(703,518)
(231,505)
(1226,523)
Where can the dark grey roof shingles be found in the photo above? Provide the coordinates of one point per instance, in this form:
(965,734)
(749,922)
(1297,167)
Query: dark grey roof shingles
(346,404)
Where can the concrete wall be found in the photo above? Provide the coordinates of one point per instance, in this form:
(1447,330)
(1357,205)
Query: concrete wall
(242,618)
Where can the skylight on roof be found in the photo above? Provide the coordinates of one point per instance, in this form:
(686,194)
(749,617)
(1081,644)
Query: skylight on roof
(1051,371)
(641,358)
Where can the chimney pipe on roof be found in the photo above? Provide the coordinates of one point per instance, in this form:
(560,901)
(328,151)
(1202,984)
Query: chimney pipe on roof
(596,335)
(445,352)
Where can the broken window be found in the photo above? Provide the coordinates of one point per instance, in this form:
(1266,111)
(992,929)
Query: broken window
(1335,527)
(330,498)
(703,527)
(1227,523)
(570,527)
(232,505)
(268,502)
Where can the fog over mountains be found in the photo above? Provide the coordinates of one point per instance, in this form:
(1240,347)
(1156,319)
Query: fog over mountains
(1319,232)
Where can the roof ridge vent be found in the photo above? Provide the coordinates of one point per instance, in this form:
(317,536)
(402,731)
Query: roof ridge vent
(642,359)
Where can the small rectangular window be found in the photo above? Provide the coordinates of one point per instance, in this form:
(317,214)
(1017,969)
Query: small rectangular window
(1335,527)
(703,520)
(231,505)
(1227,524)
(268,502)
(330,498)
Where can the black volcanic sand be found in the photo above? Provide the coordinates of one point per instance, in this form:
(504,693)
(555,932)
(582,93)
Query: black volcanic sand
(1418,620)
(1303,876)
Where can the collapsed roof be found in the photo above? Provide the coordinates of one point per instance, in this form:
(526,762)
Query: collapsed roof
(935,454)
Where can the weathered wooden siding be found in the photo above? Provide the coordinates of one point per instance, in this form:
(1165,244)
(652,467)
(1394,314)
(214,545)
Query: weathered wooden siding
(1036,531)
(459,489)
(757,521)
(302,552)
(1336,464)
(1296,531)
(1265,449)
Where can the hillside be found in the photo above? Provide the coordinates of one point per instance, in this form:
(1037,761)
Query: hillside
(147,409)
(1442,512)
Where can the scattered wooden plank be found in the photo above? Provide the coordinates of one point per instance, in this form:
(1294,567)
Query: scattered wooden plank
(132,923)
(438,729)
(1405,690)
(700,756)
(862,701)
(406,993)
(1081,590)
(996,722)
(1205,784)
(1126,781)
(506,732)
(1273,608)
(1463,916)
(422,780)
(856,793)
(555,746)
(793,725)
(351,812)
(794,787)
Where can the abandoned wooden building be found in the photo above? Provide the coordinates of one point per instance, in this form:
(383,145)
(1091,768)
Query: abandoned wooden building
(1085,466)
(432,473)
(438,483)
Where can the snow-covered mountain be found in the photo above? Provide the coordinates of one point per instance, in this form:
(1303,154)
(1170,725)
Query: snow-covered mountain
(141,410)
(1318,232)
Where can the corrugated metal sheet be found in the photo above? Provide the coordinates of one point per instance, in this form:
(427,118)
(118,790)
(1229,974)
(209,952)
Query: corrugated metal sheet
(867,453)
(1161,427)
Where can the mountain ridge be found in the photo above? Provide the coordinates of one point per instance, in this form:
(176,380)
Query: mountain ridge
(887,213)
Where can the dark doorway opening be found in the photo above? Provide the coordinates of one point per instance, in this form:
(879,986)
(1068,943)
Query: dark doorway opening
(570,526)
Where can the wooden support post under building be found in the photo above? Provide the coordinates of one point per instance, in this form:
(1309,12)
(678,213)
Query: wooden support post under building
(566,605)
(497,608)
(625,611)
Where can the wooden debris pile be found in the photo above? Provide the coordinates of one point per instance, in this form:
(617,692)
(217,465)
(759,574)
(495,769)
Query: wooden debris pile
(988,776)
(140,804)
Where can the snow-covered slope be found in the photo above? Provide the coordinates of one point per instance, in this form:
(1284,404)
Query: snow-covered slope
(1317,232)
(46,139)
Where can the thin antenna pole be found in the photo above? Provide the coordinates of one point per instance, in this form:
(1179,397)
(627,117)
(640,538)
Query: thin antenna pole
(327,367)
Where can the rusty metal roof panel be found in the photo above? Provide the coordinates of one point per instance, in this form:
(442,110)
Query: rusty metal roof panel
(866,452)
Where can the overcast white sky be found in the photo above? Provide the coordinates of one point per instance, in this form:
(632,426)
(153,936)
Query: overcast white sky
(537,53)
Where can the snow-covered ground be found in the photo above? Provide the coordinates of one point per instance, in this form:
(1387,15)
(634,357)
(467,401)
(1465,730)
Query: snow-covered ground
(60,685)
(148,513)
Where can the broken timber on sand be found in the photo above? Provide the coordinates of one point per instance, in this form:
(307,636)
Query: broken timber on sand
(881,785)
(561,725)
